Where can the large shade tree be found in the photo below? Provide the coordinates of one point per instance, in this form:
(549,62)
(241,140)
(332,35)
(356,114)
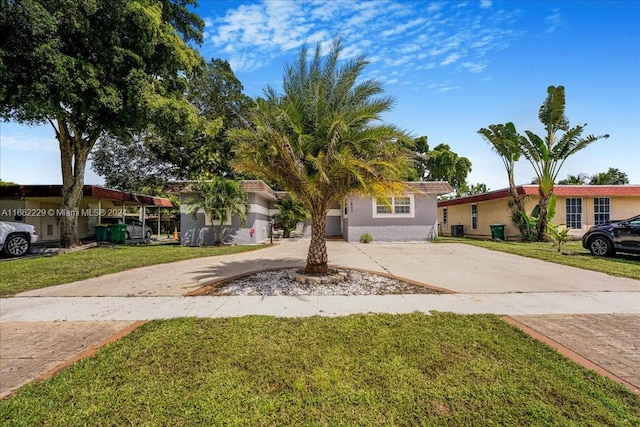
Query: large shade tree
(547,154)
(150,159)
(323,139)
(96,67)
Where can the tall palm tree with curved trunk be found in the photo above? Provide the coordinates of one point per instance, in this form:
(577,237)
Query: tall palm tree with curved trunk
(505,141)
(323,139)
(548,154)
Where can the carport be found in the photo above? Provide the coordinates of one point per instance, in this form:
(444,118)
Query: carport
(40,206)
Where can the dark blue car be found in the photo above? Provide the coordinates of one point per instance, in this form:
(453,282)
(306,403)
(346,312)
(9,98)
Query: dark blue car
(614,236)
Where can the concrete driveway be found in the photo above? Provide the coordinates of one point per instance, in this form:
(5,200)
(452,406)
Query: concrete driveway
(535,293)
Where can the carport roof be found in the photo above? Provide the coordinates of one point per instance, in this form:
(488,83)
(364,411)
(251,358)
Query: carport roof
(87,191)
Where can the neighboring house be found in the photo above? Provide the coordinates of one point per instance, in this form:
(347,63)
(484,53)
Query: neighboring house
(41,206)
(408,217)
(577,206)
(197,231)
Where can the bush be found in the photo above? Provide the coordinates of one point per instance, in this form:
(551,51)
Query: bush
(366,238)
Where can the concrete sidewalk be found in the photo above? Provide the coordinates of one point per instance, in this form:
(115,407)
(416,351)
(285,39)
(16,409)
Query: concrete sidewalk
(483,281)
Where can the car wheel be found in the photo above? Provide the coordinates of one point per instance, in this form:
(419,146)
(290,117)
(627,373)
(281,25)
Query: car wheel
(16,245)
(601,246)
(148,235)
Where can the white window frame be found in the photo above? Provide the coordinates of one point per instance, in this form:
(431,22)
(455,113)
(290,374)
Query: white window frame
(600,216)
(393,214)
(474,216)
(571,214)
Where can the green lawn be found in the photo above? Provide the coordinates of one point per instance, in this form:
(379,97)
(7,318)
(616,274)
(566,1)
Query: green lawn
(411,369)
(39,272)
(572,254)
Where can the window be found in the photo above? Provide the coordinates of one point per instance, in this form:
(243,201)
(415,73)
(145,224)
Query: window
(601,210)
(445,218)
(394,207)
(474,216)
(574,212)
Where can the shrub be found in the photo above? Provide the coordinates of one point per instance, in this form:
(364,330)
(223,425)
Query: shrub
(366,238)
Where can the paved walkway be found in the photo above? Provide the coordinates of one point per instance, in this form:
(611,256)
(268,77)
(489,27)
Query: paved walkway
(591,313)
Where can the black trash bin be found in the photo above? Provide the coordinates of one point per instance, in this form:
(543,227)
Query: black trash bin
(457,230)
(497,231)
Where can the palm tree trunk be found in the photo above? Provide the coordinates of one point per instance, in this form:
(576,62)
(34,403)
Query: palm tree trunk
(524,230)
(317,260)
(542,223)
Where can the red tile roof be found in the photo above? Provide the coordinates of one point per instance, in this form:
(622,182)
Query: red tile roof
(558,190)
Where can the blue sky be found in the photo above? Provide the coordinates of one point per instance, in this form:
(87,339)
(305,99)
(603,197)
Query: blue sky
(453,68)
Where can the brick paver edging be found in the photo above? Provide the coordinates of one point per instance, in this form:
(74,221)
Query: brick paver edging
(570,353)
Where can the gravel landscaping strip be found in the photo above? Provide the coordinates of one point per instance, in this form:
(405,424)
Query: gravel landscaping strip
(277,282)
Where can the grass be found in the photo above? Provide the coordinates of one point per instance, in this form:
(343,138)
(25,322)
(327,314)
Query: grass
(414,369)
(39,272)
(573,254)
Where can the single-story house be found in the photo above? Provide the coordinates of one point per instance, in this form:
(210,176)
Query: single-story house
(411,216)
(577,206)
(41,206)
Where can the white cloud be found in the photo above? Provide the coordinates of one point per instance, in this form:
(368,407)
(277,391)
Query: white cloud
(485,4)
(553,21)
(412,36)
(453,57)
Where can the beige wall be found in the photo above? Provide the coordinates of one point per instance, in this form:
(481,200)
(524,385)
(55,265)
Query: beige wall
(497,212)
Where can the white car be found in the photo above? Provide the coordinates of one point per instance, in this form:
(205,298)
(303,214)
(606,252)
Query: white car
(16,238)
(135,228)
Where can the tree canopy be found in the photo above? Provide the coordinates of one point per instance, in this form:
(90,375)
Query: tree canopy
(96,67)
(323,139)
(613,176)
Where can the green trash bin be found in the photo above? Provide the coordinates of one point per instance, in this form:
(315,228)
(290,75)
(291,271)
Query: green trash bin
(497,231)
(102,233)
(118,233)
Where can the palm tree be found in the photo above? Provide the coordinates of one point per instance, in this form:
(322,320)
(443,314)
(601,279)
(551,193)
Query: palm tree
(505,141)
(548,154)
(291,212)
(220,198)
(322,139)
(579,179)
(613,176)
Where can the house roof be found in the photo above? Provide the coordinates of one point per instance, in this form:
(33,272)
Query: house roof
(21,191)
(558,190)
(248,185)
(430,187)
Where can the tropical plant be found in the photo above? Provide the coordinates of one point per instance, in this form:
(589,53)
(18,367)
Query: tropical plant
(548,154)
(220,198)
(532,222)
(558,235)
(613,176)
(95,67)
(505,141)
(323,139)
(290,212)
